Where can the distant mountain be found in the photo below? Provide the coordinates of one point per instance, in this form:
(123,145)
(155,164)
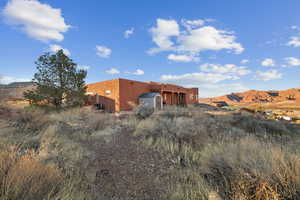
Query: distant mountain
(16,84)
(14,91)
(256,96)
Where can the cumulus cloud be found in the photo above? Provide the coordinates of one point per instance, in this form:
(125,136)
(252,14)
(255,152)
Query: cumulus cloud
(191,24)
(225,69)
(138,72)
(195,39)
(209,38)
(245,61)
(162,33)
(83,67)
(268,75)
(183,58)
(103,51)
(268,62)
(55,48)
(292,61)
(39,21)
(10,79)
(129,32)
(112,71)
(294,42)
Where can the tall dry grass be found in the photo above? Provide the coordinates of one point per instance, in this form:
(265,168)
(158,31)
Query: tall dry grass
(250,169)
(24,177)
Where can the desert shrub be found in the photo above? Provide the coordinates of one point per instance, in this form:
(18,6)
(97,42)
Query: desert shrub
(5,111)
(84,120)
(29,121)
(142,112)
(259,125)
(252,170)
(176,111)
(23,177)
(188,185)
(172,129)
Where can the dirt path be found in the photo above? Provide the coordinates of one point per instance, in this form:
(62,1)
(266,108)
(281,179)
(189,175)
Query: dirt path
(128,170)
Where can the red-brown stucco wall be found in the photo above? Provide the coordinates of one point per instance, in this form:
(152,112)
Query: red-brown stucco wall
(100,89)
(130,92)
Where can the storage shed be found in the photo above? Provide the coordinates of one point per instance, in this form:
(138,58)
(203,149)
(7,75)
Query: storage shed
(152,99)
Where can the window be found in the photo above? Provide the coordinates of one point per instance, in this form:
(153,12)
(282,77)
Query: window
(107,92)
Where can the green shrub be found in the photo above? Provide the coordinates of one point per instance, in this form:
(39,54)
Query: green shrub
(142,112)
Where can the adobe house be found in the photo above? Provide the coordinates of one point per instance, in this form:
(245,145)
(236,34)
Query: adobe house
(120,94)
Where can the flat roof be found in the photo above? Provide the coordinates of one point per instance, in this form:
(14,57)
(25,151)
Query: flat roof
(149,82)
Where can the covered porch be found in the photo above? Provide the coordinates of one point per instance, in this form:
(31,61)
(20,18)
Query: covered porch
(173,98)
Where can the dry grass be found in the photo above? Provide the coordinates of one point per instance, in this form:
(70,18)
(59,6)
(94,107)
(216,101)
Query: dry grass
(178,153)
(238,156)
(23,177)
(252,170)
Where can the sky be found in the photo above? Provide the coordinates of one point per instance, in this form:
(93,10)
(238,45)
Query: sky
(218,46)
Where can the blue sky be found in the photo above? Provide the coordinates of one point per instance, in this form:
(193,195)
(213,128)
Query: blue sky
(218,46)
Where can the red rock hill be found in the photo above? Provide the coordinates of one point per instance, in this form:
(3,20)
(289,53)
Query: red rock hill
(255,96)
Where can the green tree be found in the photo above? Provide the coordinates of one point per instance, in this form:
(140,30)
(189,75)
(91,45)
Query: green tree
(58,81)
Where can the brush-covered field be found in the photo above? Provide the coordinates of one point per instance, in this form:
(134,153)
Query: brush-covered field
(177,154)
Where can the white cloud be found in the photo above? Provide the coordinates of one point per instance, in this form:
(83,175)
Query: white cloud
(245,61)
(112,71)
(294,42)
(103,51)
(129,32)
(39,21)
(183,58)
(295,27)
(55,48)
(191,24)
(138,72)
(268,62)
(225,69)
(9,79)
(83,67)
(162,33)
(197,78)
(268,75)
(193,39)
(292,61)
(209,38)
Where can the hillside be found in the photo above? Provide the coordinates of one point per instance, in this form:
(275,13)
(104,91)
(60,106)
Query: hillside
(256,96)
(14,91)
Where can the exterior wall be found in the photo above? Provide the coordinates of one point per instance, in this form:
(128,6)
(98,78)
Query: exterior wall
(192,96)
(130,92)
(112,101)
